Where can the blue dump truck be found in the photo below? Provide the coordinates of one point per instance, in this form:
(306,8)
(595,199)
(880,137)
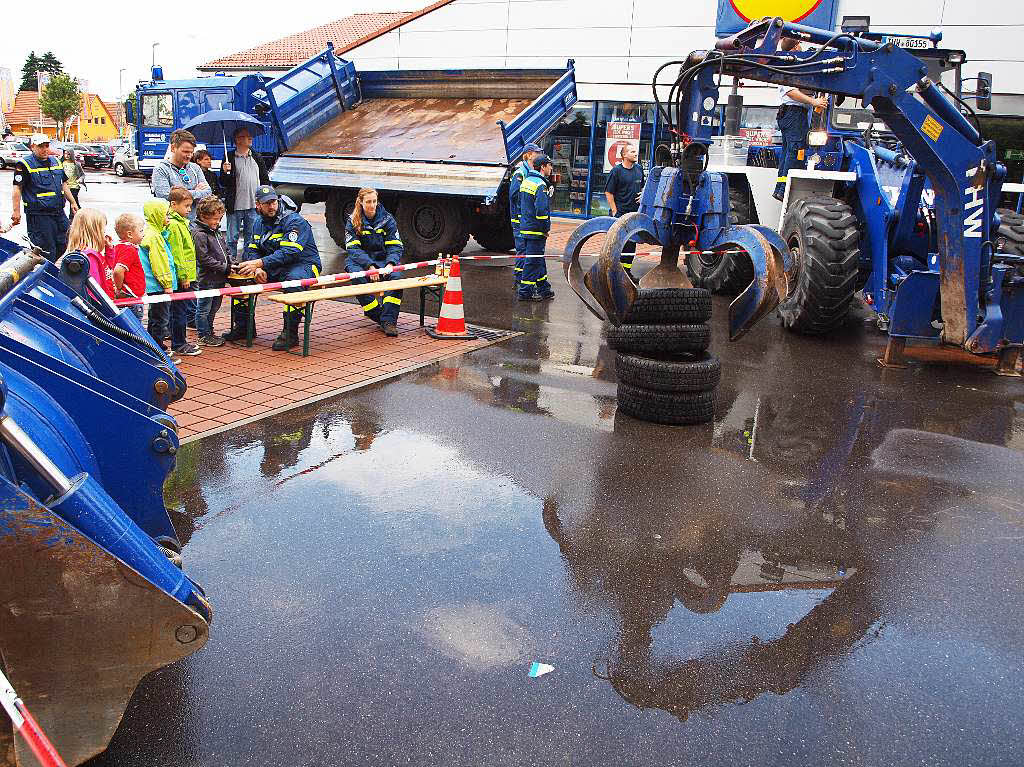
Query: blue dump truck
(437,145)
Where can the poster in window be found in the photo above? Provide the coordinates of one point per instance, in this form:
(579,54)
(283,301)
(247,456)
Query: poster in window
(617,136)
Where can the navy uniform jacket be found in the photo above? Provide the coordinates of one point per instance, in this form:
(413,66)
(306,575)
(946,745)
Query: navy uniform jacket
(514,188)
(41,184)
(376,244)
(284,242)
(534,206)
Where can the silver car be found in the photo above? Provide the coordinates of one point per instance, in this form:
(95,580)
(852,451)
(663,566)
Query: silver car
(126,162)
(11,152)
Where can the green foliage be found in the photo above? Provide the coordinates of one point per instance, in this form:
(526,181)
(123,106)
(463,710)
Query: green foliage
(36,64)
(61,99)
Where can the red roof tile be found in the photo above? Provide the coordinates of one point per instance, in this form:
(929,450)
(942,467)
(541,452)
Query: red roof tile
(292,50)
(26,110)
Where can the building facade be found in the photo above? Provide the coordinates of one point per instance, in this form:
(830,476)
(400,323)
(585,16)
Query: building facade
(618,46)
(95,123)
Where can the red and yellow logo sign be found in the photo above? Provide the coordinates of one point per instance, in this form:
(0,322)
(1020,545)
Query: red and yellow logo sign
(789,10)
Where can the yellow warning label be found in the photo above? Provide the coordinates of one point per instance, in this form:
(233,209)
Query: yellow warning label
(932,128)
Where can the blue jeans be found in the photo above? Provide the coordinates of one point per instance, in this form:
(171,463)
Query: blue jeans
(793,122)
(167,313)
(241,224)
(208,308)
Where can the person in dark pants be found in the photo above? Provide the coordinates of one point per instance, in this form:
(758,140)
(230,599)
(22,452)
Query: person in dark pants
(282,249)
(534,225)
(794,119)
(241,173)
(623,189)
(40,183)
(372,242)
(522,170)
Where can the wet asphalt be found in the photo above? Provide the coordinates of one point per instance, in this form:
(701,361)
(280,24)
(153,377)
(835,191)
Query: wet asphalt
(827,574)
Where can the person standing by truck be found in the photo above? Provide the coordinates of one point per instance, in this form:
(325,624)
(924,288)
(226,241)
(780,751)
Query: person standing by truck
(241,173)
(179,170)
(535,223)
(515,183)
(794,119)
(40,183)
(622,191)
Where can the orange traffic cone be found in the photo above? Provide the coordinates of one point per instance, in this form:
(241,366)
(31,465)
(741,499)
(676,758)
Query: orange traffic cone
(451,321)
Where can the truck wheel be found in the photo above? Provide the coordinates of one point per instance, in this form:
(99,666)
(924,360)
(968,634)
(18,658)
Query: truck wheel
(430,225)
(495,235)
(337,210)
(824,236)
(725,273)
(659,339)
(1010,237)
(669,305)
(676,408)
(694,373)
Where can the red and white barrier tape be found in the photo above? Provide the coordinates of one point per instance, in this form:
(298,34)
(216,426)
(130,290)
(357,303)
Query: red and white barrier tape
(244,290)
(26,725)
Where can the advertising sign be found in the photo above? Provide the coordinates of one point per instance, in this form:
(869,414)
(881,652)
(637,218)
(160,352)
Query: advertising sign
(618,135)
(734,15)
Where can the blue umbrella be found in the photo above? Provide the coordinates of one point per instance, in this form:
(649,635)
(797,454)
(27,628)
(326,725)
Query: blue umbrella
(206,126)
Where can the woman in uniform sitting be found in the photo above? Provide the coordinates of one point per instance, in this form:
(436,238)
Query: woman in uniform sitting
(372,242)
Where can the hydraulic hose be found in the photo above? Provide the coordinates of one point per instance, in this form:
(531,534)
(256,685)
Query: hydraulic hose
(15,268)
(96,318)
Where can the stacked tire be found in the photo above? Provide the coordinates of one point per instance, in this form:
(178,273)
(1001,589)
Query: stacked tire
(666,374)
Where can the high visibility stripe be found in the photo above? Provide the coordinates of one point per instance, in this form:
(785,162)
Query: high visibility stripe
(392,300)
(291,245)
(540,218)
(45,167)
(781,179)
(518,269)
(380,231)
(515,220)
(316,270)
(254,245)
(528,282)
(353,242)
(627,264)
(525,231)
(366,231)
(542,278)
(46,194)
(530,187)
(277,236)
(371,306)
(392,242)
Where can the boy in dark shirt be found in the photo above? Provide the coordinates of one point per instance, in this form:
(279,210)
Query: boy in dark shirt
(622,191)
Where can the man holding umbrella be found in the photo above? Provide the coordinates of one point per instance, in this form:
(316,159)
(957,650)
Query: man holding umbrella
(241,174)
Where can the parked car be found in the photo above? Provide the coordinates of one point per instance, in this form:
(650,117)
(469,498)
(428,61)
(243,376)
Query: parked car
(126,162)
(90,155)
(11,152)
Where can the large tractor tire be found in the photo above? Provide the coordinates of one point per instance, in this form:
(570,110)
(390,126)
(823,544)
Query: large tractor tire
(337,210)
(675,408)
(494,234)
(656,340)
(824,236)
(430,225)
(725,273)
(669,306)
(1010,237)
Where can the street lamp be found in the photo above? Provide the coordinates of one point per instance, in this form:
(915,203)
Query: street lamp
(154,53)
(120,98)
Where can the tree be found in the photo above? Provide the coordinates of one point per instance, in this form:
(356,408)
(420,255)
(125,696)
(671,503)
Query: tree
(61,99)
(36,64)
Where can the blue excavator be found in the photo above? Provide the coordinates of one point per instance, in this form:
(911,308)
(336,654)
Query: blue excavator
(92,592)
(963,301)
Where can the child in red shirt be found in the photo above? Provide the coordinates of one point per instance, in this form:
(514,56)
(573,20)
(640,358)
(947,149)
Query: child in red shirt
(127,274)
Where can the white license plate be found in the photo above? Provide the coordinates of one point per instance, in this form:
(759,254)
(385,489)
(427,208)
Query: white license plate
(913,43)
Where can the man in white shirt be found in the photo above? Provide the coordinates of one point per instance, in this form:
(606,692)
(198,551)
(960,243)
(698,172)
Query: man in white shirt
(794,119)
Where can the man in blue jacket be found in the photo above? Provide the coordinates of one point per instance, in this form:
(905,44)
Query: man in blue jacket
(282,248)
(521,171)
(40,183)
(534,225)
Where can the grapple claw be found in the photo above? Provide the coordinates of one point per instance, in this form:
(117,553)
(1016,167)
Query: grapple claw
(773,272)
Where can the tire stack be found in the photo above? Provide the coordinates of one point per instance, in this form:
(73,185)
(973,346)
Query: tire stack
(666,374)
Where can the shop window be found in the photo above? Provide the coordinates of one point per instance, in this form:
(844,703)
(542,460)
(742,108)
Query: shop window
(617,124)
(568,145)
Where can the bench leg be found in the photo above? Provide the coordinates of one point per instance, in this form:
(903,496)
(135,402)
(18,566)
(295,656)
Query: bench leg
(423,304)
(307,318)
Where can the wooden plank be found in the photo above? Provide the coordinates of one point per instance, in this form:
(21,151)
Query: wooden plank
(345,291)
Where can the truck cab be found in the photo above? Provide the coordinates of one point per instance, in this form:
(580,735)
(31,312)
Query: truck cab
(166,105)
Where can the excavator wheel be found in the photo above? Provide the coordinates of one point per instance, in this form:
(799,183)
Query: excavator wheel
(725,273)
(824,237)
(1010,237)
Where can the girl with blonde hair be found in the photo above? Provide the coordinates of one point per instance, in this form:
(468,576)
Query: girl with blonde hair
(88,236)
(372,242)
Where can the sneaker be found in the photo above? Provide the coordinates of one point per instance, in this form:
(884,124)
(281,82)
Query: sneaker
(528,297)
(547,296)
(389,329)
(211,341)
(188,350)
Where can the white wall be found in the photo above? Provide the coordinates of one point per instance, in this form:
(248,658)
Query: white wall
(617,46)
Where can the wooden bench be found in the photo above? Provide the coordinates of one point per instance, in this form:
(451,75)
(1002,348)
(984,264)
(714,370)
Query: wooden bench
(432,284)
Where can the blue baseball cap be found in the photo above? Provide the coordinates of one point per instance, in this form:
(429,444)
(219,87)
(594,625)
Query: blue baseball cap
(266,193)
(531,147)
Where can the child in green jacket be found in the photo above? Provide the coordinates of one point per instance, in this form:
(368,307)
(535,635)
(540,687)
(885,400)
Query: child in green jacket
(183,252)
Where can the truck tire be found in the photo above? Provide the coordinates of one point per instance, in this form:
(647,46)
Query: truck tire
(337,210)
(824,235)
(725,273)
(649,340)
(696,373)
(1010,237)
(675,408)
(430,225)
(494,234)
(669,306)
